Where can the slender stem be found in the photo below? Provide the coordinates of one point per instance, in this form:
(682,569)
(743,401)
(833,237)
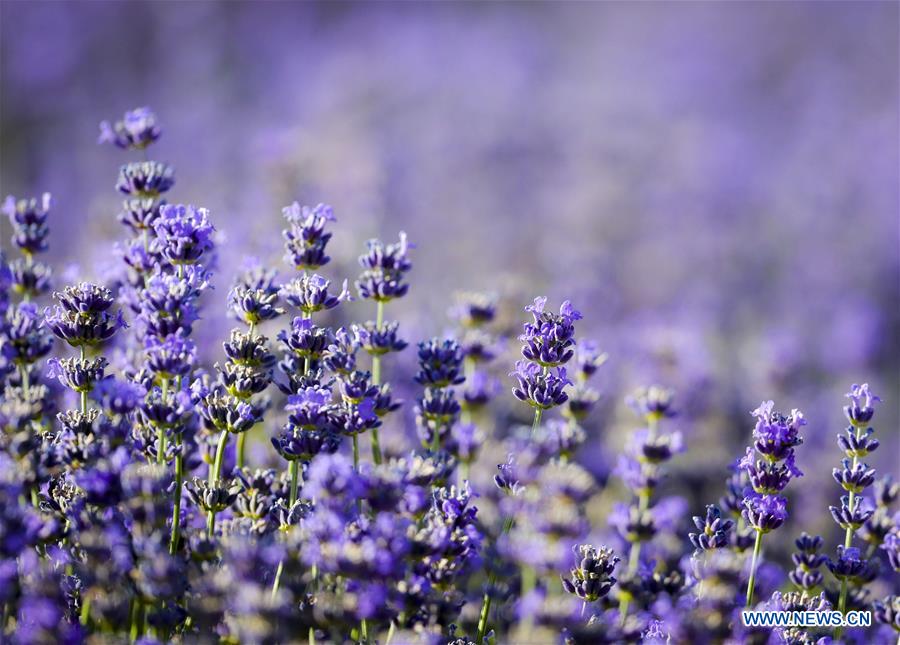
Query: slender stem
(179,483)
(538,413)
(242,439)
(364,631)
(176,505)
(486,600)
(356,452)
(277,581)
(376,380)
(751,584)
(84,393)
(214,477)
(295,480)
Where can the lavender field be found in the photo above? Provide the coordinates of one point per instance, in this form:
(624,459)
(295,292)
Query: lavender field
(449,322)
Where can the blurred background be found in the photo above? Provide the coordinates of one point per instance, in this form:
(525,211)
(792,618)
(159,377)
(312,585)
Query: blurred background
(715,185)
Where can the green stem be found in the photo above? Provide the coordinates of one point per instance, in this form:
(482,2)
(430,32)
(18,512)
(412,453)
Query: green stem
(294,469)
(176,506)
(242,439)
(486,600)
(214,477)
(538,413)
(751,584)
(364,631)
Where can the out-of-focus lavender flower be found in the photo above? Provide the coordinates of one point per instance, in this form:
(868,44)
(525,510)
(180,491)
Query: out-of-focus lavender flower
(474,309)
(29,221)
(145,179)
(23,338)
(137,130)
(440,363)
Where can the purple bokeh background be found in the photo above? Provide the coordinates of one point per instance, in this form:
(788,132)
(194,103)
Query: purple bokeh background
(714,184)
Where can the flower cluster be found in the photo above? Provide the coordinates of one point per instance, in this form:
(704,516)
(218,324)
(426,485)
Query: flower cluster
(152,493)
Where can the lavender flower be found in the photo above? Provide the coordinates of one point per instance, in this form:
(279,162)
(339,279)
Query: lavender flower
(591,579)
(384,270)
(145,179)
(184,233)
(29,221)
(137,130)
(306,239)
(309,293)
(83,316)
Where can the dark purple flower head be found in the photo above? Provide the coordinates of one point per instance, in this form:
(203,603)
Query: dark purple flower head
(591,578)
(243,381)
(849,564)
(353,419)
(768,477)
(848,517)
(309,293)
(306,238)
(378,341)
(384,401)
(858,443)
(227,412)
(539,388)
(243,348)
(80,375)
(473,309)
(23,338)
(854,478)
(438,406)
(861,408)
(310,408)
(887,491)
(776,435)
(137,130)
(807,560)
(356,386)
(765,512)
(253,306)
(440,363)
(83,316)
(549,341)
(714,530)
(170,357)
(145,179)
(299,443)
(306,340)
(183,232)
(384,270)
(29,222)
